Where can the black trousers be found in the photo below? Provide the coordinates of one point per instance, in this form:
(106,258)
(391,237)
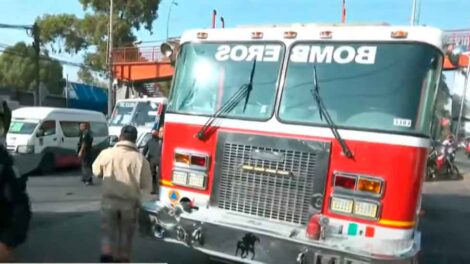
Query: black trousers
(87,172)
(155,170)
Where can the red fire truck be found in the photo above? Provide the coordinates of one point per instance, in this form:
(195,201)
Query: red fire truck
(298,144)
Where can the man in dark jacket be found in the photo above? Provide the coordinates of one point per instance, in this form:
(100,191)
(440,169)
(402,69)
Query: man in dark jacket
(6,115)
(15,211)
(5,120)
(152,151)
(84,150)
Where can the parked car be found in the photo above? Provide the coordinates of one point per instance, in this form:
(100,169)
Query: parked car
(51,135)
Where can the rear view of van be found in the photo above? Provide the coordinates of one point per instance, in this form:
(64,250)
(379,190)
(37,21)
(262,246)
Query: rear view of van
(47,138)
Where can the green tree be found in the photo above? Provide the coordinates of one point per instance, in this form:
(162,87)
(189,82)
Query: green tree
(70,34)
(18,69)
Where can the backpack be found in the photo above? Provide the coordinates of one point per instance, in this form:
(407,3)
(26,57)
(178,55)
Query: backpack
(15,209)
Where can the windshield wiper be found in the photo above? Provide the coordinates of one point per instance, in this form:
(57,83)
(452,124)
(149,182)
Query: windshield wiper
(324,113)
(243,92)
(249,85)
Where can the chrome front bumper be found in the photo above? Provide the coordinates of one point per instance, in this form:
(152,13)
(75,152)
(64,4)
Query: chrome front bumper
(249,240)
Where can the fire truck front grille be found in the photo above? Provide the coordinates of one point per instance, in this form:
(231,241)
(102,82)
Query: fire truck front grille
(274,183)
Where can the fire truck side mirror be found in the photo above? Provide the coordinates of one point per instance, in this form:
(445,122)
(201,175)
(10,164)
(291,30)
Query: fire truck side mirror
(169,50)
(454,54)
(166,49)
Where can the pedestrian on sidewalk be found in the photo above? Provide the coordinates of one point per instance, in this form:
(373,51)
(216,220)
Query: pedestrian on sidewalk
(84,150)
(15,210)
(126,179)
(152,151)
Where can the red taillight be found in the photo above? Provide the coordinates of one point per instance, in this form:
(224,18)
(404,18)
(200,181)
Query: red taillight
(346,182)
(198,161)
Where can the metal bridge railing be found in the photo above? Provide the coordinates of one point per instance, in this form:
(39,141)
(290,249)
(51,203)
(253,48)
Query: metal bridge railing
(137,54)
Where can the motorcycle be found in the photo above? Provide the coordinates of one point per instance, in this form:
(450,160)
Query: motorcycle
(445,165)
(431,170)
(441,163)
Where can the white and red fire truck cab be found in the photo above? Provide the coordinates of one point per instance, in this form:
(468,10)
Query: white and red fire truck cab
(301,144)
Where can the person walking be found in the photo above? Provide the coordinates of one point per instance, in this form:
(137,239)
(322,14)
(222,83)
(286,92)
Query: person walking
(5,120)
(15,209)
(126,180)
(6,115)
(84,150)
(152,151)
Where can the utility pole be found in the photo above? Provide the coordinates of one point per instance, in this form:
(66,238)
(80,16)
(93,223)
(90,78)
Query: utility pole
(415,10)
(110,60)
(168,18)
(37,51)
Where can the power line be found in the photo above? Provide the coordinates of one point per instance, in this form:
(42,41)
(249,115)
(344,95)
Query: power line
(3,47)
(26,27)
(51,59)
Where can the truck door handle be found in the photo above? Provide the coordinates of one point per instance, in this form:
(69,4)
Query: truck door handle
(55,139)
(62,139)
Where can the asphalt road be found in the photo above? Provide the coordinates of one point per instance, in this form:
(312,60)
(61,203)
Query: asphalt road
(445,238)
(65,225)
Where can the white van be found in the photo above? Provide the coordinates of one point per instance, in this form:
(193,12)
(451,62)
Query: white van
(143,113)
(51,135)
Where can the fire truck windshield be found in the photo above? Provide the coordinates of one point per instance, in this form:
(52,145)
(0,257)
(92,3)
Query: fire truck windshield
(372,86)
(209,75)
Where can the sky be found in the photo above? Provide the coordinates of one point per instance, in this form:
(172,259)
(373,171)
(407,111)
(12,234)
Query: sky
(444,14)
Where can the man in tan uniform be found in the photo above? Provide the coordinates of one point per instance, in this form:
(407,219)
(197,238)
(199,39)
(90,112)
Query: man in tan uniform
(126,178)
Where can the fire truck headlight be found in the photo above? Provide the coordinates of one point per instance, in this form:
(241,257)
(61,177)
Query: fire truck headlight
(366,209)
(180,177)
(342,205)
(197,180)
